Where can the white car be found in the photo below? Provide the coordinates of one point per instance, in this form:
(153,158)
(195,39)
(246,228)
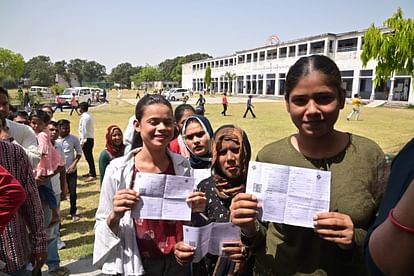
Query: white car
(177,94)
(82,94)
(45,92)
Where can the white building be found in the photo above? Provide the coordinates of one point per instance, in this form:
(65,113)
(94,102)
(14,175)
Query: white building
(262,71)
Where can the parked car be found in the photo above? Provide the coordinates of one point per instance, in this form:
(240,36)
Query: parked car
(44,92)
(177,94)
(82,94)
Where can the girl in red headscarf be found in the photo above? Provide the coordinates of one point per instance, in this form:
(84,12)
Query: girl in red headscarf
(114,148)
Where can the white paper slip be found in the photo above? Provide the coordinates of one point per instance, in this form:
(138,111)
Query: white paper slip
(200,174)
(163,196)
(288,194)
(209,238)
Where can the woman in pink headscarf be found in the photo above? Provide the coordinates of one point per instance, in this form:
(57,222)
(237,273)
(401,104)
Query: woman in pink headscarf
(114,148)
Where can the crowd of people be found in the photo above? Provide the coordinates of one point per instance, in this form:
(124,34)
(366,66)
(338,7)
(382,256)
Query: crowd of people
(368,228)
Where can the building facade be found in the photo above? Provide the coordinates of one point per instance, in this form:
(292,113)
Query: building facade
(263,70)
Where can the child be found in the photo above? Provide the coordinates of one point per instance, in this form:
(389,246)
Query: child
(129,246)
(356,108)
(50,160)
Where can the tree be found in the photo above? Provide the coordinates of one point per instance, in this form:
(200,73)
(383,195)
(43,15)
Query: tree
(75,67)
(11,64)
(146,74)
(207,77)
(170,69)
(40,71)
(93,71)
(394,50)
(122,74)
(230,77)
(61,68)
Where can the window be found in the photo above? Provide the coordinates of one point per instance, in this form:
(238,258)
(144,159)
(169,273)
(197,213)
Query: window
(303,49)
(282,52)
(262,56)
(292,51)
(317,47)
(347,45)
(272,54)
(249,58)
(254,57)
(240,59)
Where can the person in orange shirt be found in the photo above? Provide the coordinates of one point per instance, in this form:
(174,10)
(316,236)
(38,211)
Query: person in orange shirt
(225,103)
(74,104)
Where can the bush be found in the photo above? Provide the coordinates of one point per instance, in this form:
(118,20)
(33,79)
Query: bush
(57,88)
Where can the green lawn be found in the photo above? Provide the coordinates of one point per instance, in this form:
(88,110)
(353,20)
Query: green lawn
(391,128)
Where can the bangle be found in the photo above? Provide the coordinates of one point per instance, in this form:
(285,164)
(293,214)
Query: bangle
(398,225)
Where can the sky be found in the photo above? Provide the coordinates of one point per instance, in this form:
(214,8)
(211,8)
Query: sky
(150,31)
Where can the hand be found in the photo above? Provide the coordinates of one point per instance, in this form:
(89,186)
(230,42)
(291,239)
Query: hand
(198,202)
(335,227)
(235,253)
(4,133)
(124,200)
(71,168)
(38,259)
(243,213)
(183,252)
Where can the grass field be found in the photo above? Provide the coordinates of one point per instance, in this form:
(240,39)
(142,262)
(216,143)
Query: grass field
(391,128)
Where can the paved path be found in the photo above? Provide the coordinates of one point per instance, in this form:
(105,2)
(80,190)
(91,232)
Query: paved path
(82,267)
(216,100)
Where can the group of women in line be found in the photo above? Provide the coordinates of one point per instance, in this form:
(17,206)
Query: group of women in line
(314,98)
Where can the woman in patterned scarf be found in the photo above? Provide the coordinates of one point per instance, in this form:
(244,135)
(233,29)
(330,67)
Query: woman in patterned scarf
(113,148)
(230,157)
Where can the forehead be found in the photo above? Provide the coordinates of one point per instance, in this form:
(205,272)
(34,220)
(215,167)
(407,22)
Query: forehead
(51,127)
(230,143)
(193,126)
(314,82)
(157,110)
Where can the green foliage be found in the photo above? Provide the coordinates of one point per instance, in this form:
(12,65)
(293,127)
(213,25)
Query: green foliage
(394,50)
(93,71)
(8,82)
(147,73)
(122,74)
(40,70)
(61,68)
(171,68)
(207,77)
(75,67)
(11,64)
(57,88)
(230,77)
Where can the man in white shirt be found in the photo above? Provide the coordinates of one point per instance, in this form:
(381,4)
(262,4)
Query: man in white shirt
(87,139)
(19,134)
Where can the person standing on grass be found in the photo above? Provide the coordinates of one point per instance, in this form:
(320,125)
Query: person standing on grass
(73,152)
(114,148)
(356,108)
(128,246)
(224,102)
(58,102)
(73,104)
(314,97)
(249,107)
(86,136)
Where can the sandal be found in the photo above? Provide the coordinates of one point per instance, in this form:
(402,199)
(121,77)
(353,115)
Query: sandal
(60,271)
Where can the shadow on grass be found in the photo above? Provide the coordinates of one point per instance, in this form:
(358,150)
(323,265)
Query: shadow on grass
(86,194)
(80,241)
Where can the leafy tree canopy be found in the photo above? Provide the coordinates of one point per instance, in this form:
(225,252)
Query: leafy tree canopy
(171,68)
(40,71)
(207,77)
(11,64)
(122,74)
(394,50)
(93,71)
(147,73)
